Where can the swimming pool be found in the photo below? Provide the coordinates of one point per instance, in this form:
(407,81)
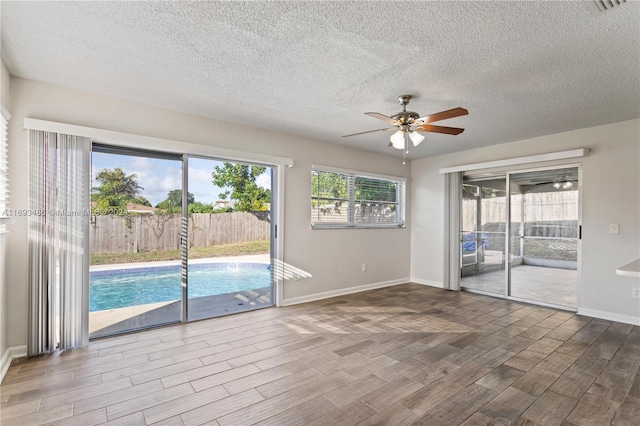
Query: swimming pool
(139,286)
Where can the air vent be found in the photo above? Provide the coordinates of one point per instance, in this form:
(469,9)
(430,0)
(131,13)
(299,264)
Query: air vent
(608,4)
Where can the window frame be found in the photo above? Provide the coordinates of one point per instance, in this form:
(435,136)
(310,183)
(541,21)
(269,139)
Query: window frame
(352,175)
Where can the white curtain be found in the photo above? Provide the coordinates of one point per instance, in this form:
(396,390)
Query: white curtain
(453,190)
(58,241)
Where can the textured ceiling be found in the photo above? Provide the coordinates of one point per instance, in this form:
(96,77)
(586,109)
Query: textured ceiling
(522,69)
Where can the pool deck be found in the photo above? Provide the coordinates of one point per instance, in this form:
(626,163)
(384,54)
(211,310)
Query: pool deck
(114,321)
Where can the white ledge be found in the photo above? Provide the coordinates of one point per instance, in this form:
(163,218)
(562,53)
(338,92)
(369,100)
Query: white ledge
(110,137)
(630,269)
(574,153)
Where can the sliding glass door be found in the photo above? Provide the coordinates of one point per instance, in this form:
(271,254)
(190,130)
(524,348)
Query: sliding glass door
(482,237)
(176,238)
(229,237)
(544,255)
(134,278)
(533,256)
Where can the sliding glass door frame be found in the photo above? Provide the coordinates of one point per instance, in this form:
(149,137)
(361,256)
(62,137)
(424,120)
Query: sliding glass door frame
(277,232)
(507,236)
(276,243)
(184,242)
(509,239)
(276,206)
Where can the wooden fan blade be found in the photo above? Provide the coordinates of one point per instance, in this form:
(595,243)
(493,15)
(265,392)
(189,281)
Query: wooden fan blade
(382,117)
(368,131)
(440,129)
(443,115)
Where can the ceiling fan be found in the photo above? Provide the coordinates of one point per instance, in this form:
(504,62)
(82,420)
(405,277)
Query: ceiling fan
(408,123)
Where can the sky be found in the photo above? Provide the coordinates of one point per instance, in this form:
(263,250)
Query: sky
(158,176)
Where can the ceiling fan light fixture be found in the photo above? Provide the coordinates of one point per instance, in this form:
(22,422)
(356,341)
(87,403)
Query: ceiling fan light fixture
(397,139)
(416,138)
(562,182)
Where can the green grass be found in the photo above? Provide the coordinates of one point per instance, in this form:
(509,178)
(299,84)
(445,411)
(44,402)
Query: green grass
(551,249)
(238,249)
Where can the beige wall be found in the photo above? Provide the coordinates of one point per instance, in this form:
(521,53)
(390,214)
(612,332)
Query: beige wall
(611,182)
(333,257)
(5,87)
(5,98)
(610,194)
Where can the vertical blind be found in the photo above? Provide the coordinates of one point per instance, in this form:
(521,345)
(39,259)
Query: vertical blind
(349,199)
(4,166)
(58,241)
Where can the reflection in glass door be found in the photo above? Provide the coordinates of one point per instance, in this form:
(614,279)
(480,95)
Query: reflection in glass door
(482,236)
(229,226)
(543,235)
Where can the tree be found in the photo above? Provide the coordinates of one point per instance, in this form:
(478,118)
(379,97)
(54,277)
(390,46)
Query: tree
(173,203)
(240,179)
(116,190)
(328,185)
(367,190)
(199,207)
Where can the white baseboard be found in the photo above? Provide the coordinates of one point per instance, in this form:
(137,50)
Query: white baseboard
(427,282)
(342,292)
(9,355)
(610,316)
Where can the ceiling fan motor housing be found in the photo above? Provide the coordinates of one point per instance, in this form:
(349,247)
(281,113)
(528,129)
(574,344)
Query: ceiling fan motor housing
(406,117)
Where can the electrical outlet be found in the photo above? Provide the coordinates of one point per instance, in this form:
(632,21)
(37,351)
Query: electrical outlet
(364,267)
(614,228)
(635,292)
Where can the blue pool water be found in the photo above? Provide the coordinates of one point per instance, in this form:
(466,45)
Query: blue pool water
(138,286)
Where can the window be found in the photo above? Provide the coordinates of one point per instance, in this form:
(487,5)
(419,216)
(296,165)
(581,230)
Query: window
(4,167)
(350,199)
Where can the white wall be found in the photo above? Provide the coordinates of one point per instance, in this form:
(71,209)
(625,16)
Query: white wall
(333,257)
(611,194)
(5,98)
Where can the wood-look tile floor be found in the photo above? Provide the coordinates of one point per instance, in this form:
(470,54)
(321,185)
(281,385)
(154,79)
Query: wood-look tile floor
(404,355)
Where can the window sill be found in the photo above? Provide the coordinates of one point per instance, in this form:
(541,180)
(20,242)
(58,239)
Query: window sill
(358,226)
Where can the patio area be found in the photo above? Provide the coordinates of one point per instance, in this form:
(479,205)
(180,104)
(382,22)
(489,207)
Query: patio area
(536,283)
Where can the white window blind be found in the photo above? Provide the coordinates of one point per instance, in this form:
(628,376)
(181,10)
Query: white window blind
(4,167)
(350,199)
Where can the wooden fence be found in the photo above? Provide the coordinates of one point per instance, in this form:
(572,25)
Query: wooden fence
(140,233)
(538,207)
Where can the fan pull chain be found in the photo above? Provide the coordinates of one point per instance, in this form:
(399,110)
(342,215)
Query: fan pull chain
(406,142)
(405,151)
